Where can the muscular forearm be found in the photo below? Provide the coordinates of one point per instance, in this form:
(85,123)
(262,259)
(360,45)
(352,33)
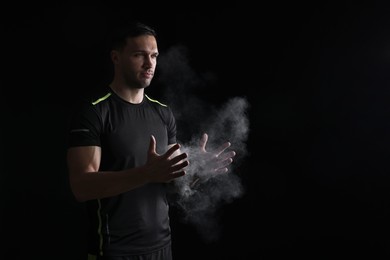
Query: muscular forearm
(97,185)
(87,182)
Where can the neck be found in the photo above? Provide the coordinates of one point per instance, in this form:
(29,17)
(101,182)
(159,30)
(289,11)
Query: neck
(131,95)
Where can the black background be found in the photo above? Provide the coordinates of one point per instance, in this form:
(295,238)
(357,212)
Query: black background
(316,76)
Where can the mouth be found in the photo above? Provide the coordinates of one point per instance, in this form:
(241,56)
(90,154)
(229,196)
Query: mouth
(147,75)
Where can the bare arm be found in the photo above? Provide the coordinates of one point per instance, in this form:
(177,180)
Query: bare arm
(88,183)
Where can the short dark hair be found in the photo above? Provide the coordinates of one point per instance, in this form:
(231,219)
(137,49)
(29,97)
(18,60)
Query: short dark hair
(129,29)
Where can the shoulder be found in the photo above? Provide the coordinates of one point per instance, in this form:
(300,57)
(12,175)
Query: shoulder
(92,102)
(161,107)
(99,96)
(90,96)
(155,102)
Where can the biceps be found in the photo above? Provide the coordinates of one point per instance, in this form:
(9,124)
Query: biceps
(83,159)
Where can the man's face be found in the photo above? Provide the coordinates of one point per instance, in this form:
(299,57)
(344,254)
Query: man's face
(136,63)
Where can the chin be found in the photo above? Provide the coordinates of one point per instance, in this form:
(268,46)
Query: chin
(145,85)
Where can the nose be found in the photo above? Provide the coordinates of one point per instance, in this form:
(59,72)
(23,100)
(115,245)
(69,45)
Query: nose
(149,61)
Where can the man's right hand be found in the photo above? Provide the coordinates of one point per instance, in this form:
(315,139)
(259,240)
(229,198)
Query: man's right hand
(165,167)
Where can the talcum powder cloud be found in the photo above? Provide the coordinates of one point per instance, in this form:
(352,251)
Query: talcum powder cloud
(229,121)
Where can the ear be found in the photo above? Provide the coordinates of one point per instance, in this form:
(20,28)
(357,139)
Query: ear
(114,56)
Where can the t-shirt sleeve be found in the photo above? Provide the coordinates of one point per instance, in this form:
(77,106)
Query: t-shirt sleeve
(84,127)
(171,127)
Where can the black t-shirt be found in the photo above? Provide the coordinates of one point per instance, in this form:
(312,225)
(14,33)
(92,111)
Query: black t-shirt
(137,221)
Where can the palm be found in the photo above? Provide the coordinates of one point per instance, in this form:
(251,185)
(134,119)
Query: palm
(218,160)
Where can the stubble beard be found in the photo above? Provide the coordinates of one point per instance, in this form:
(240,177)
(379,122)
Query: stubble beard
(139,84)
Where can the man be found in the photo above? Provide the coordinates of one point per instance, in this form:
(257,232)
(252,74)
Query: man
(123,155)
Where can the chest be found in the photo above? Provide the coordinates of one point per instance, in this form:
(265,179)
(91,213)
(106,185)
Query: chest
(126,132)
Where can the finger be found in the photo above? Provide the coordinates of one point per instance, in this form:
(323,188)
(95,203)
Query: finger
(221,165)
(227,155)
(172,150)
(169,177)
(177,174)
(222,170)
(224,163)
(222,148)
(203,141)
(178,158)
(179,166)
